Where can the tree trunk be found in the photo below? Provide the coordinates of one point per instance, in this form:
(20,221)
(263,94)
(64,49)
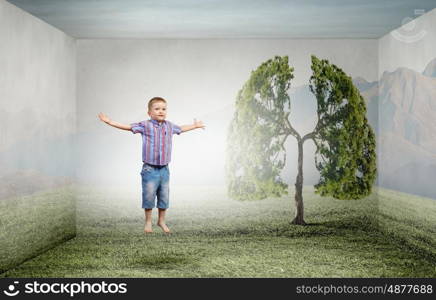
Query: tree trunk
(299,212)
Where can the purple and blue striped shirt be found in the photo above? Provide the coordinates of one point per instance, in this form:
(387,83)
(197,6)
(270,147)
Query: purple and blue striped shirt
(156,140)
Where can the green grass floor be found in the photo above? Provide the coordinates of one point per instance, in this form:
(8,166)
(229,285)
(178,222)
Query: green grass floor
(31,224)
(214,236)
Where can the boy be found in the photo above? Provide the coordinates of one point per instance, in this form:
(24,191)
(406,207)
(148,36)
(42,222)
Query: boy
(156,154)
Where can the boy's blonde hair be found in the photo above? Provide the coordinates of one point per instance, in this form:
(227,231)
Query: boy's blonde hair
(154,100)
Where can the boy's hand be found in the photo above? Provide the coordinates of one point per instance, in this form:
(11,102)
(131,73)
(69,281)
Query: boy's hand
(108,121)
(104,118)
(198,124)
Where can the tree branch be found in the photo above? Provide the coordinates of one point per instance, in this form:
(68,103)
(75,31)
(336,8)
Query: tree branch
(313,134)
(309,136)
(291,129)
(282,146)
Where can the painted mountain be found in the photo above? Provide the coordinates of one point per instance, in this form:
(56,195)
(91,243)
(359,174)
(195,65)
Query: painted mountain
(36,151)
(407,133)
(430,70)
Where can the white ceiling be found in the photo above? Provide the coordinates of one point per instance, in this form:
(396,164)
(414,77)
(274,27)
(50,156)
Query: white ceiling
(226,18)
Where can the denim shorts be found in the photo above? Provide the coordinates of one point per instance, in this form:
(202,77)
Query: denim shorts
(155,184)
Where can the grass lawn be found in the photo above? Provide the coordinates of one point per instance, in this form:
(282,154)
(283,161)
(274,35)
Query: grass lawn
(411,219)
(31,224)
(214,236)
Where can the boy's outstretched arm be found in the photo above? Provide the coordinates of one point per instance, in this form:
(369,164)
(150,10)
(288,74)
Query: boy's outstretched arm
(197,124)
(108,121)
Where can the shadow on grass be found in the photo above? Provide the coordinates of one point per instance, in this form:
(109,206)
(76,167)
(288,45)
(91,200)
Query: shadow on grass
(409,234)
(363,227)
(281,228)
(159,261)
(355,223)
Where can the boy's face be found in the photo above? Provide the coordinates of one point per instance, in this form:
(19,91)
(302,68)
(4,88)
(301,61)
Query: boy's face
(158,111)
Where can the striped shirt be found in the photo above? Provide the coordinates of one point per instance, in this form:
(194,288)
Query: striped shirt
(156,140)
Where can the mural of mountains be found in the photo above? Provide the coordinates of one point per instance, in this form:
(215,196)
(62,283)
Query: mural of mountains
(408,106)
(407,133)
(26,182)
(369,91)
(430,70)
(407,129)
(36,151)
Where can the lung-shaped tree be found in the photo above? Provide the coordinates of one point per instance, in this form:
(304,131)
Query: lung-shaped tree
(345,143)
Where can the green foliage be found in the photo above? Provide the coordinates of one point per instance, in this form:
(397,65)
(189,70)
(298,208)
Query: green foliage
(255,151)
(345,154)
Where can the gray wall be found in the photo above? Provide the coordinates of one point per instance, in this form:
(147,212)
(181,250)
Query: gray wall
(407,107)
(200,79)
(37,126)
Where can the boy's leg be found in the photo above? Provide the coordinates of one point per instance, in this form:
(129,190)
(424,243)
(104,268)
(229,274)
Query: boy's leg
(147,228)
(163,198)
(161,221)
(150,182)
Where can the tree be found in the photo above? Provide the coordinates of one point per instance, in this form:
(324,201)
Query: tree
(345,143)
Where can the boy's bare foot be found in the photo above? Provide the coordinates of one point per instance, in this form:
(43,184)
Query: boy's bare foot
(164,227)
(147,228)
